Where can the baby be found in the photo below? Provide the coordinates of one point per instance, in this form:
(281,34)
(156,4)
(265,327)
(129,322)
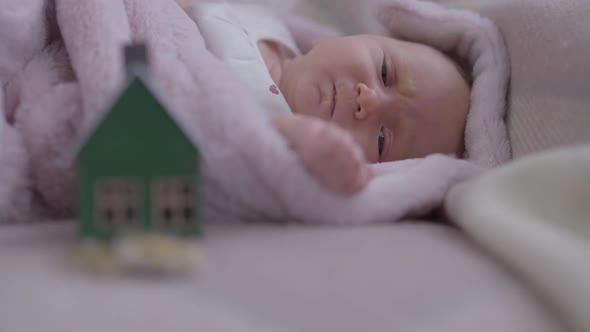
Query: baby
(347,102)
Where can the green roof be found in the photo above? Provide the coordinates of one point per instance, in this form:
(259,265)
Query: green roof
(137,124)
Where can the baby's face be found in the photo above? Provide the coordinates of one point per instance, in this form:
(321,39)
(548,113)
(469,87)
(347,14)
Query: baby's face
(399,100)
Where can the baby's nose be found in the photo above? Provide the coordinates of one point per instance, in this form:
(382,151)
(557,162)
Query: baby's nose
(367,101)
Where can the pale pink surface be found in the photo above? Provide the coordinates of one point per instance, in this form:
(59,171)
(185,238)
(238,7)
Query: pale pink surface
(403,277)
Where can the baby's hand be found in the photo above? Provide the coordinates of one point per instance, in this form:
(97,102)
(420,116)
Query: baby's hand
(328,152)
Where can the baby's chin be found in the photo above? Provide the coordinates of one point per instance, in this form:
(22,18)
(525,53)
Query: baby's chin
(304,101)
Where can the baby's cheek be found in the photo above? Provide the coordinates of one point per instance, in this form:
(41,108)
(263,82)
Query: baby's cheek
(302,104)
(367,146)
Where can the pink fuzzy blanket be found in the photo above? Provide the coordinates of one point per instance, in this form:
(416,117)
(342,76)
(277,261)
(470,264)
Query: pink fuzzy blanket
(60,66)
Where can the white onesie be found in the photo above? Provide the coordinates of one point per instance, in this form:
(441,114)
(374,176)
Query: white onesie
(232,31)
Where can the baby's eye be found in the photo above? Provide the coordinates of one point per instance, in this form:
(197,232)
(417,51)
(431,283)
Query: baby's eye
(381,142)
(384,72)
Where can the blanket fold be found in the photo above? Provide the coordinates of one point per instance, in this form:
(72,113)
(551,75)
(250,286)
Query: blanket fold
(534,216)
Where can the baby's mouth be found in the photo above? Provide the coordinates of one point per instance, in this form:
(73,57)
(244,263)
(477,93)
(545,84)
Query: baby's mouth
(333,102)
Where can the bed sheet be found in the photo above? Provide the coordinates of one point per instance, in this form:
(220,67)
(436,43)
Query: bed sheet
(406,277)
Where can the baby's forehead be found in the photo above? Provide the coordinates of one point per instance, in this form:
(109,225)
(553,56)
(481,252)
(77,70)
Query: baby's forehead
(427,52)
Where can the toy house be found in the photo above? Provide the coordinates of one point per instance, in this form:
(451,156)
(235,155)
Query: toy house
(138,170)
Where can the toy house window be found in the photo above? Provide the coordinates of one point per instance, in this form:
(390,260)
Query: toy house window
(173,202)
(117,203)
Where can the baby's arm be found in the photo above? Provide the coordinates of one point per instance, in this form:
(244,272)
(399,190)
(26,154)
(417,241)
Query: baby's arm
(328,152)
